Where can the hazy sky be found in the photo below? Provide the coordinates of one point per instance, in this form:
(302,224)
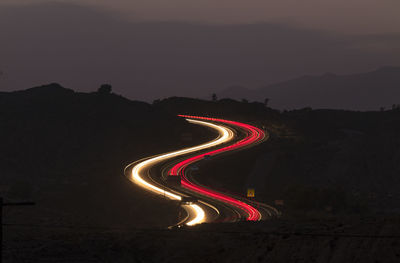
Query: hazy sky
(353,16)
(144,56)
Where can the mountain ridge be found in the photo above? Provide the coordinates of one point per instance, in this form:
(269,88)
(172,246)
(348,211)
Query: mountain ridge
(361,91)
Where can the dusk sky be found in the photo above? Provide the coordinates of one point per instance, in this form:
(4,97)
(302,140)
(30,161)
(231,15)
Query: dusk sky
(353,16)
(147,49)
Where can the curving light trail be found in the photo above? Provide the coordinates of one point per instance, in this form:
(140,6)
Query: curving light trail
(254,135)
(200,215)
(139,169)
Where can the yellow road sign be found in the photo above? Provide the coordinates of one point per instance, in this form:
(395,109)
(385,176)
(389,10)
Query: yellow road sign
(251,192)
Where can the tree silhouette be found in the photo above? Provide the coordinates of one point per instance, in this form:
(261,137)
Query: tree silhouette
(266,100)
(105,89)
(214,97)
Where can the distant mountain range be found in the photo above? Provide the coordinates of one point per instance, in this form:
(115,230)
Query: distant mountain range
(364,91)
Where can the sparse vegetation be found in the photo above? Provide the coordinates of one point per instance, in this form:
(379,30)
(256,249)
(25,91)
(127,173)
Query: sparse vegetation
(105,89)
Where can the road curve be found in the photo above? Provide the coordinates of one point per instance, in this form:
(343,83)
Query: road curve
(139,172)
(254,136)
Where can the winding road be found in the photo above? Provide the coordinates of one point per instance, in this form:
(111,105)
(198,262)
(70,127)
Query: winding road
(201,203)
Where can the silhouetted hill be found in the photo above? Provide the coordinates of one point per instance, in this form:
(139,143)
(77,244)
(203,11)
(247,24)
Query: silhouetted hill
(67,151)
(64,122)
(365,91)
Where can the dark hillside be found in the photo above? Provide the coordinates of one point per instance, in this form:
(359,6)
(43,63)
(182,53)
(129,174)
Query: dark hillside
(67,151)
(345,161)
(334,170)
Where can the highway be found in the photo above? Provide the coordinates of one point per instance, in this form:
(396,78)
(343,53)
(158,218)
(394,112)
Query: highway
(201,203)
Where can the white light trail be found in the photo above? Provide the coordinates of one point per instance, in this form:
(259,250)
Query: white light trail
(225,135)
(200,216)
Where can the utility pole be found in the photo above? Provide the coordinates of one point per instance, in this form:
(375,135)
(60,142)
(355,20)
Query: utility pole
(1,221)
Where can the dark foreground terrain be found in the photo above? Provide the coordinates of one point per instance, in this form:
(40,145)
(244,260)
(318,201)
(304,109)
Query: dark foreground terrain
(333,174)
(368,240)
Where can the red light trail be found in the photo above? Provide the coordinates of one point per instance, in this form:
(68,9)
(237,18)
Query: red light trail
(254,135)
